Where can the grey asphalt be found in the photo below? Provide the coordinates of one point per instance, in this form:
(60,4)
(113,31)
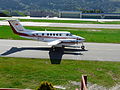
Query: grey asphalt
(109,26)
(56,18)
(36,49)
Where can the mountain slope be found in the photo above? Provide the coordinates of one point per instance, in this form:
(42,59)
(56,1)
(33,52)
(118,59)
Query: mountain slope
(104,5)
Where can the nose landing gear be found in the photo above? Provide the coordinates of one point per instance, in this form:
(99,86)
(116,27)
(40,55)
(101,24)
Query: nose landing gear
(83,47)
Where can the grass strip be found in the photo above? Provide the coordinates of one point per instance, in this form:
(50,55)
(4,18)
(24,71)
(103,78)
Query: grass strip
(69,21)
(28,73)
(59,21)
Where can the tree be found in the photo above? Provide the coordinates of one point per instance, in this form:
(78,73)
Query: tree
(45,86)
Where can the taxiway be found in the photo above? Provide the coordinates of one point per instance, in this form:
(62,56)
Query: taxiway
(73,25)
(36,49)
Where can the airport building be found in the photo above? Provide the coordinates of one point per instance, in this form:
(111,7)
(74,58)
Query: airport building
(38,13)
(75,14)
(70,14)
(101,15)
(78,14)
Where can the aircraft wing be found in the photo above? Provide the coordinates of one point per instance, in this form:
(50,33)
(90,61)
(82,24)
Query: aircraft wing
(55,42)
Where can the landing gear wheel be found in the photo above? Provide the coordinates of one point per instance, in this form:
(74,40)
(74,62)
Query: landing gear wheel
(83,47)
(63,46)
(53,48)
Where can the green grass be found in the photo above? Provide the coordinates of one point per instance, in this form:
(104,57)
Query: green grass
(28,73)
(6,33)
(2,19)
(69,21)
(91,35)
(58,21)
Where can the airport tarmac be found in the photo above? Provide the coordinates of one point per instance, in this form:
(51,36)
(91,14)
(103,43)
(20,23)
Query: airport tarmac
(37,49)
(57,18)
(72,25)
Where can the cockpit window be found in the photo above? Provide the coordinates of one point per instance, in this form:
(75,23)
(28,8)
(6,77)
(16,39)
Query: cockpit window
(70,34)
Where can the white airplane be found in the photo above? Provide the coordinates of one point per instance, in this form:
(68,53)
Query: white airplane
(54,38)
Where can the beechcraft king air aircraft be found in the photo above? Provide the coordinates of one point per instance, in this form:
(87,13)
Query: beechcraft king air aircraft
(54,38)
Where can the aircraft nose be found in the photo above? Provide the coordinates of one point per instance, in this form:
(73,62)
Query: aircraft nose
(81,38)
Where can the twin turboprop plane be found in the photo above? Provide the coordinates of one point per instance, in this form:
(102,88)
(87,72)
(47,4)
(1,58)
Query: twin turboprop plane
(54,38)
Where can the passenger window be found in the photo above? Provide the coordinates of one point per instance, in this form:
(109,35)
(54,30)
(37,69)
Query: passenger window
(47,34)
(56,34)
(50,34)
(60,34)
(53,34)
(36,33)
(42,34)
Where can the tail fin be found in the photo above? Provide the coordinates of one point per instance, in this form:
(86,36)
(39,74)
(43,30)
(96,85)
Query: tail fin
(16,26)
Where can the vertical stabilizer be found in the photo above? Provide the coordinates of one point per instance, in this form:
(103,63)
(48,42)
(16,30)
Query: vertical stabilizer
(16,26)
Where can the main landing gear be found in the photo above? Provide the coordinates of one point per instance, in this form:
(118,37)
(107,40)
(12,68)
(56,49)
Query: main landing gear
(83,47)
(54,48)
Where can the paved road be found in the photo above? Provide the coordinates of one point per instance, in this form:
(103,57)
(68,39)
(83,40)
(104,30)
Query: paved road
(35,49)
(56,18)
(110,26)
